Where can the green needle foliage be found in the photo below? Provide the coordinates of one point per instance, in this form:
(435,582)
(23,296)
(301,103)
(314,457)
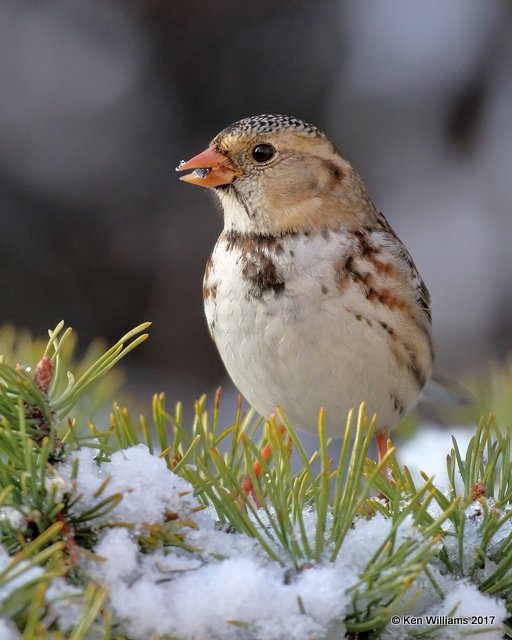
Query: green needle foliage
(299,513)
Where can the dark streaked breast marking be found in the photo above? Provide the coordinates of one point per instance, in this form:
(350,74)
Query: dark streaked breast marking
(260,272)
(252,242)
(258,268)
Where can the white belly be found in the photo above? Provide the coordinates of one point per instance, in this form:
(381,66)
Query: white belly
(304,348)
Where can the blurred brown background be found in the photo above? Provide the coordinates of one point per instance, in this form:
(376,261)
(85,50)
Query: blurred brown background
(100,99)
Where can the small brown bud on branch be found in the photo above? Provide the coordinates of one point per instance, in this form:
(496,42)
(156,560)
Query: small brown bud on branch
(44,374)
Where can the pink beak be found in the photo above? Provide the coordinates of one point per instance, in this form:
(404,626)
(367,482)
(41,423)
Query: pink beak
(211,169)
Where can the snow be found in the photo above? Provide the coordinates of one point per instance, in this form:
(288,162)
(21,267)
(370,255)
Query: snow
(12,579)
(230,588)
(16,576)
(212,599)
(147,487)
(8,631)
(12,516)
(464,600)
(234,584)
(428,449)
(65,601)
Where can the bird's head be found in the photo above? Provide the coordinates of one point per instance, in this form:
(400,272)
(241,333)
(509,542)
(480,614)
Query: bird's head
(275,174)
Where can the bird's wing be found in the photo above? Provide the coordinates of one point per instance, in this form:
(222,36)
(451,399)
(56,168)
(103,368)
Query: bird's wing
(416,281)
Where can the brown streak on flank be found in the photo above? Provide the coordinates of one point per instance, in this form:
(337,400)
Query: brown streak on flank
(398,351)
(360,318)
(366,280)
(416,371)
(369,252)
(349,264)
(387,328)
(391,301)
(208,268)
(398,405)
(383,268)
(372,295)
(342,273)
(209,292)
(365,247)
(406,357)
(324,289)
(382,295)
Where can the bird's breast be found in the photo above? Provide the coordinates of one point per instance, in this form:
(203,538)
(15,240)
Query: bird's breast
(297,326)
(249,280)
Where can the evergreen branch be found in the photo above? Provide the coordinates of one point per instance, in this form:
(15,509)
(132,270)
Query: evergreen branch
(302,518)
(76,388)
(94,599)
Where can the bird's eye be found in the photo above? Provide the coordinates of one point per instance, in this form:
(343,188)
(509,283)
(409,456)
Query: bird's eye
(263,152)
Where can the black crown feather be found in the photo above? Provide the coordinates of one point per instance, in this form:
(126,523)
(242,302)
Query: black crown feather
(268,123)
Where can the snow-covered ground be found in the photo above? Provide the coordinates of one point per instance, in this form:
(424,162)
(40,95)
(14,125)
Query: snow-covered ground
(230,588)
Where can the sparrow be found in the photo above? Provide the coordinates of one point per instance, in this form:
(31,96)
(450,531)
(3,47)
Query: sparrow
(310,296)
